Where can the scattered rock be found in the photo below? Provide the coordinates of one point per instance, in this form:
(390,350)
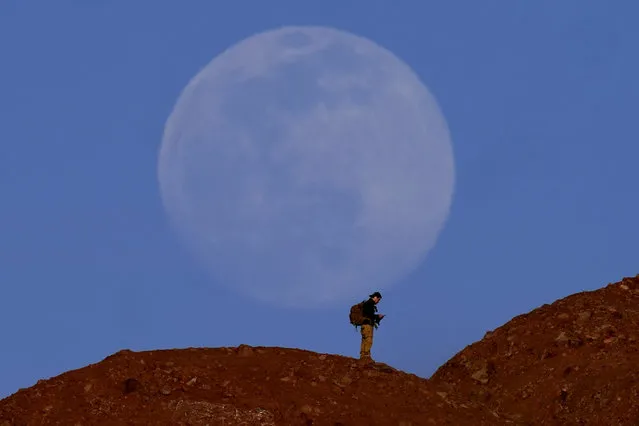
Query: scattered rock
(614,312)
(584,316)
(568,340)
(481,375)
(131,385)
(345,381)
(245,351)
(306,409)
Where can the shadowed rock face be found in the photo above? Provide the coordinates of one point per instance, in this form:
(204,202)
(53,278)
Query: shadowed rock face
(572,362)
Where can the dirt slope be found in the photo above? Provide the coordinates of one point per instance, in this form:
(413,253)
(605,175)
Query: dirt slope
(572,362)
(236,386)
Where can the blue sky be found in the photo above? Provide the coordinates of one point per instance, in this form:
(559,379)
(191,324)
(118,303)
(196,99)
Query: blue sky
(540,98)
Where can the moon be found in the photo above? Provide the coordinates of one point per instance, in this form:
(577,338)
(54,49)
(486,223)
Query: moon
(307,166)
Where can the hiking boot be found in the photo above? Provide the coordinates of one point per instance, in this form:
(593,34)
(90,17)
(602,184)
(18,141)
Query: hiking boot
(366,360)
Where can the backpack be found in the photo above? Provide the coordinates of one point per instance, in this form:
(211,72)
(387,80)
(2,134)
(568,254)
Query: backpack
(356,315)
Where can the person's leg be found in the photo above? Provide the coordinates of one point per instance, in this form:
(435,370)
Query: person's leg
(367,341)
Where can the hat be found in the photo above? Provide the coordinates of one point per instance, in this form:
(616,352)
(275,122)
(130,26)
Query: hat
(376,294)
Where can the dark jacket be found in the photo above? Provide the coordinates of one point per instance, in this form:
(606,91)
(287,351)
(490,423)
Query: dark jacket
(370,312)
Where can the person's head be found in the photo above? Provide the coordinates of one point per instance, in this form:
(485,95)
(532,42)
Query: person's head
(376,297)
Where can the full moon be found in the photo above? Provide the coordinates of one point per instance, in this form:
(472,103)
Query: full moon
(307,166)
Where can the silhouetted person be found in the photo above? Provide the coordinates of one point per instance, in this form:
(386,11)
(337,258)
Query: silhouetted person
(370,322)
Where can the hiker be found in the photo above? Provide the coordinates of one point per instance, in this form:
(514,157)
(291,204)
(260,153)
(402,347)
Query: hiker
(370,320)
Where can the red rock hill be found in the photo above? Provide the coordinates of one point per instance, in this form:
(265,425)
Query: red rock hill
(574,362)
(236,386)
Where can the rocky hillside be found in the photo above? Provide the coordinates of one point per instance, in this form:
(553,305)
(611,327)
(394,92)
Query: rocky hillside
(572,362)
(568,363)
(237,386)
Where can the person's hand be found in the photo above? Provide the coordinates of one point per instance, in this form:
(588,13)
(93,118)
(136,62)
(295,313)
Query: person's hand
(381,316)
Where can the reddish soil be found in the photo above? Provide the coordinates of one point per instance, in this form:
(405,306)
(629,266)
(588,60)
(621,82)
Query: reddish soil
(571,362)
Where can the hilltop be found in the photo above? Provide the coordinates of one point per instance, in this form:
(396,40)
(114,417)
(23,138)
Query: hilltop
(236,386)
(570,362)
